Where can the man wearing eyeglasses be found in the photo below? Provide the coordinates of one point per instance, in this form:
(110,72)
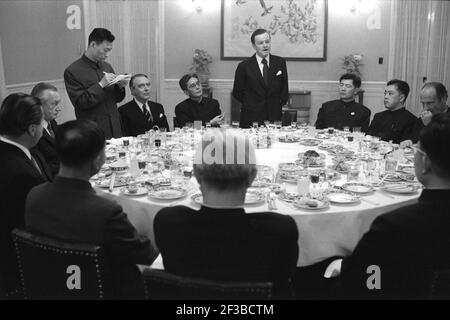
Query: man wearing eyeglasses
(197,107)
(408,245)
(433,98)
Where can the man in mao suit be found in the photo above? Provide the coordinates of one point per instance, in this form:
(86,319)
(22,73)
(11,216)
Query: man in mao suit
(140,114)
(398,256)
(261,83)
(90,84)
(20,129)
(51,105)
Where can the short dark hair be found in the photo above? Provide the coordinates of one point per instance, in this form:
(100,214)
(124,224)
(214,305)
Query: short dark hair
(18,112)
(40,88)
(441,91)
(136,76)
(435,142)
(184,80)
(402,86)
(78,142)
(257,32)
(98,35)
(351,76)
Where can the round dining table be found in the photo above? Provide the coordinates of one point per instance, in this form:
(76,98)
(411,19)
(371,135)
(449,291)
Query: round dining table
(323,233)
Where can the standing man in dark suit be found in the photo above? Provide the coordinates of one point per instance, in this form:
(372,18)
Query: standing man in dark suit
(221,241)
(78,214)
(398,256)
(261,83)
(91,86)
(51,106)
(20,129)
(140,114)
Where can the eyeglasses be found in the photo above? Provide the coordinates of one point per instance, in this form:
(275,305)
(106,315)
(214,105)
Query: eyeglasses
(416,149)
(194,85)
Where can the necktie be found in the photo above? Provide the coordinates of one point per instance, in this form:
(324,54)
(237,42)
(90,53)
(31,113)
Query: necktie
(265,71)
(147,113)
(50,131)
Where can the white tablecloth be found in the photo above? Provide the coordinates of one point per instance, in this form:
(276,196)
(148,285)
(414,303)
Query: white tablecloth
(322,234)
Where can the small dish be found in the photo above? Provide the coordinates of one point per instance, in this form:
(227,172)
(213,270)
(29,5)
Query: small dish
(400,188)
(134,192)
(357,187)
(311,204)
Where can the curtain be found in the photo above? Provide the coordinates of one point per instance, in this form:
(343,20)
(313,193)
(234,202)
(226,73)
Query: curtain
(420,45)
(134,24)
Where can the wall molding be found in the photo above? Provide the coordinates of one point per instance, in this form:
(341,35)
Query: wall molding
(67,112)
(321,91)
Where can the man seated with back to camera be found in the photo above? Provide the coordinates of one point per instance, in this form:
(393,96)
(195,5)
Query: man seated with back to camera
(78,214)
(397,257)
(221,241)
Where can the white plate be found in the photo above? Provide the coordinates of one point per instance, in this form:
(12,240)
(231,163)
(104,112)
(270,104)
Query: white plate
(305,204)
(140,192)
(342,197)
(401,188)
(104,183)
(310,142)
(167,194)
(357,187)
(288,196)
(251,197)
(288,139)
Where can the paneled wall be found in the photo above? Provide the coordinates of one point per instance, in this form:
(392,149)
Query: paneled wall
(321,91)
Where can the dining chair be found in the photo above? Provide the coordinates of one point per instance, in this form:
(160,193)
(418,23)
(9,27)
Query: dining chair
(162,285)
(54,269)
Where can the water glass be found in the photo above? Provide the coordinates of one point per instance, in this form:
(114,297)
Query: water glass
(353,174)
(391,164)
(278,124)
(330,130)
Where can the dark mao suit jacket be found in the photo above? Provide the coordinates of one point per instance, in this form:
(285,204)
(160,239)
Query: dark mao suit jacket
(261,102)
(134,122)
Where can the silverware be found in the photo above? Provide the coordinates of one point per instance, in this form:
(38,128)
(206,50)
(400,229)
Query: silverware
(387,195)
(112,181)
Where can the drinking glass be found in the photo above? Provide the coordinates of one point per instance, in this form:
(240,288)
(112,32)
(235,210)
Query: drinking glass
(235,124)
(278,124)
(255,125)
(330,130)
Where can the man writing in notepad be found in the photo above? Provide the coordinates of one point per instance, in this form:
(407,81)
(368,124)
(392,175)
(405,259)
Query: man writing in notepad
(94,88)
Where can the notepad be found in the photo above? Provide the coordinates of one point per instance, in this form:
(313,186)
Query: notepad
(120,77)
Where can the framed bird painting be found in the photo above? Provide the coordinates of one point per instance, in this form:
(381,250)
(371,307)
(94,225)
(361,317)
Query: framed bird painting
(298,28)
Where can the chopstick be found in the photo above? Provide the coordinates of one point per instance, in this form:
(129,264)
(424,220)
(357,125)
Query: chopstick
(369,201)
